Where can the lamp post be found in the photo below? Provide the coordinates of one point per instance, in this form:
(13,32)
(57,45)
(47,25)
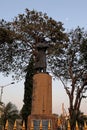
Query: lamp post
(1,103)
(2,90)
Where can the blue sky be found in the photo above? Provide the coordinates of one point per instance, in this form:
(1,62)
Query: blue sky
(71,13)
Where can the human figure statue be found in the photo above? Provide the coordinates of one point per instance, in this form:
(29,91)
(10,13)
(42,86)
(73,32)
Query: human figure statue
(40,59)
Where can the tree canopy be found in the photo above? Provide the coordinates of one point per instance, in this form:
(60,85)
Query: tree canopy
(21,36)
(9,112)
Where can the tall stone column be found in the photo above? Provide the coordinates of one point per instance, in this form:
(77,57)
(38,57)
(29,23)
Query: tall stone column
(42,94)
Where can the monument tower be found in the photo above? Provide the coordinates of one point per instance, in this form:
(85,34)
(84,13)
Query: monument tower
(42,92)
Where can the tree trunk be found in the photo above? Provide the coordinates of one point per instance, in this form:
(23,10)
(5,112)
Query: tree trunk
(72,119)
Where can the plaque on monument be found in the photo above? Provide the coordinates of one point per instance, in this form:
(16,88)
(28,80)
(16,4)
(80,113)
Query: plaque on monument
(45,123)
(36,124)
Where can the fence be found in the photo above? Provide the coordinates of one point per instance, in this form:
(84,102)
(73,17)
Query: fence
(23,126)
(41,127)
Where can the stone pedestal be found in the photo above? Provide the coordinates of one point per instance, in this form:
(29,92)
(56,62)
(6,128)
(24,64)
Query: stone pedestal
(42,94)
(42,100)
(45,120)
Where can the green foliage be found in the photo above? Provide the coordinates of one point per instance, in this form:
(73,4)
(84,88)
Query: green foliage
(26,109)
(23,34)
(10,113)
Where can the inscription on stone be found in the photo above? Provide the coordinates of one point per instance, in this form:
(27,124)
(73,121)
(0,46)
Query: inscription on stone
(44,124)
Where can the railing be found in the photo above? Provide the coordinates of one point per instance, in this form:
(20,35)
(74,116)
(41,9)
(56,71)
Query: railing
(15,126)
(41,126)
(23,126)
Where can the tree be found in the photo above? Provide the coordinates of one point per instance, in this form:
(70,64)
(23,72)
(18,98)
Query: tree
(10,113)
(26,109)
(22,35)
(71,66)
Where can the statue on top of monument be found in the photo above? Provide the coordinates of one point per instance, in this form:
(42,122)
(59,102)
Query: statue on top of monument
(40,58)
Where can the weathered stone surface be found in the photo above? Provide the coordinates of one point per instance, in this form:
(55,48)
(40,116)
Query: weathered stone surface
(42,94)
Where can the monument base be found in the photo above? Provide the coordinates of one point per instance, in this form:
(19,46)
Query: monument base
(36,119)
